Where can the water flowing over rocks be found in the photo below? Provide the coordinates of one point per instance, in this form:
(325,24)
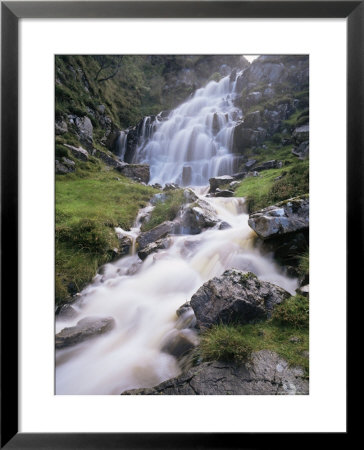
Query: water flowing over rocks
(155,234)
(87,328)
(160,244)
(235,297)
(286,217)
(196,217)
(265,374)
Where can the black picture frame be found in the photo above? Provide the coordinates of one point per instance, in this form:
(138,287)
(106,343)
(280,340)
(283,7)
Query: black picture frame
(11,12)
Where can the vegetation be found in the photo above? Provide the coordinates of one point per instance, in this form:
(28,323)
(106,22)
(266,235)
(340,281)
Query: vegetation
(286,334)
(165,210)
(88,207)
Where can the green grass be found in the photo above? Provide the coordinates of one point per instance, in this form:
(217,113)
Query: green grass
(165,210)
(236,342)
(87,210)
(294,312)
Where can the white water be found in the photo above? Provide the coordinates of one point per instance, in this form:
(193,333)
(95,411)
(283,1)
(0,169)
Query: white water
(143,298)
(195,143)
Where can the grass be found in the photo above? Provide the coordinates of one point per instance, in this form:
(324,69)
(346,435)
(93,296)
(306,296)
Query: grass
(87,210)
(237,342)
(165,210)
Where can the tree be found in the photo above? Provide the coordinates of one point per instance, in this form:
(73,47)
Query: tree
(108,67)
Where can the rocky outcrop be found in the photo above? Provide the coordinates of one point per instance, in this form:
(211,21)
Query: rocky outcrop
(265,374)
(138,172)
(60,126)
(78,152)
(87,328)
(85,131)
(273,164)
(153,235)
(235,297)
(217,182)
(301,141)
(107,159)
(65,166)
(285,217)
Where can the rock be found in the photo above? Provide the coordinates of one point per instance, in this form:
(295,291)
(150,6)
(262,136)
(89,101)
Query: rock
(285,217)
(196,217)
(101,109)
(239,175)
(244,137)
(86,328)
(61,127)
(253,120)
(186,317)
(301,134)
(250,163)
(85,130)
(302,150)
(66,311)
(180,342)
(125,243)
(286,248)
(304,290)
(157,186)
(224,193)
(273,164)
(235,297)
(109,160)
(138,172)
(63,168)
(153,247)
(295,340)
(265,374)
(252,174)
(186,175)
(153,235)
(189,196)
(170,187)
(219,181)
(78,152)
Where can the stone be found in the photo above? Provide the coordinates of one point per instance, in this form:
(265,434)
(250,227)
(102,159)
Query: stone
(196,217)
(223,193)
(189,196)
(87,328)
(285,217)
(60,127)
(78,152)
(186,175)
(304,290)
(107,159)
(224,226)
(235,297)
(62,168)
(265,374)
(216,182)
(180,342)
(153,247)
(301,134)
(250,163)
(170,187)
(273,164)
(156,233)
(85,130)
(244,137)
(138,172)
(302,150)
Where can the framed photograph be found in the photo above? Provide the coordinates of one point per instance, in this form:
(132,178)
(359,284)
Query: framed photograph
(181,189)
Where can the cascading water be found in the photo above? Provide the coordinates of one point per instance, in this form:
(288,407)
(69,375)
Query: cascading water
(143,298)
(194,143)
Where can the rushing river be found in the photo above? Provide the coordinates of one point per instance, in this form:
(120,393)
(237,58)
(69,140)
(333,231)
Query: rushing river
(193,145)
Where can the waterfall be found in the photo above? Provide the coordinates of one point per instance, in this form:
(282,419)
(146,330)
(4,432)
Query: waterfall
(195,142)
(121,144)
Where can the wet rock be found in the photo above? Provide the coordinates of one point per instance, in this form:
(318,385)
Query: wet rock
(217,182)
(223,193)
(189,196)
(304,290)
(273,164)
(66,311)
(196,217)
(285,249)
(86,328)
(235,297)
(186,317)
(170,187)
(180,342)
(78,152)
(285,217)
(234,185)
(153,247)
(138,172)
(265,374)
(156,233)
(224,226)
(125,244)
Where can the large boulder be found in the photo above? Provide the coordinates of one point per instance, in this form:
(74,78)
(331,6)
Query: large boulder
(156,233)
(161,244)
(65,166)
(196,217)
(244,137)
(84,130)
(302,150)
(285,217)
(235,297)
(301,134)
(61,126)
(86,328)
(265,374)
(138,172)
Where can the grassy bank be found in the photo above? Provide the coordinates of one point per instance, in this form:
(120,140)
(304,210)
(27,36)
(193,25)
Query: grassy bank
(286,334)
(87,210)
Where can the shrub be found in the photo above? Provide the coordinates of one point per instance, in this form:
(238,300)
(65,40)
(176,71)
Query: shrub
(293,312)
(225,343)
